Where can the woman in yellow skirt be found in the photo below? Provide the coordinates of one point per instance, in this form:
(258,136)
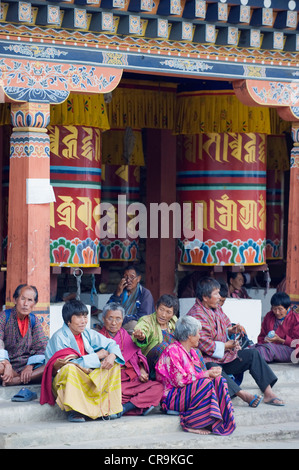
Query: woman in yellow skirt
(85,366)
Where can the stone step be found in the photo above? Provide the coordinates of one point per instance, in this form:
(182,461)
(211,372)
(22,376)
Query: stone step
(25,425)
(15,412)
(286,388)
(59,432)
(286,373)
(6,393)
(283,435)
(135,433)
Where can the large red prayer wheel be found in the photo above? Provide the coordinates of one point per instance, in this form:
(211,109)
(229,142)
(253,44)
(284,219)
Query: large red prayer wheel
(226,173)
(5,133)
(275,214)
(277,163)
(75,160)
(124,181)
(122,156)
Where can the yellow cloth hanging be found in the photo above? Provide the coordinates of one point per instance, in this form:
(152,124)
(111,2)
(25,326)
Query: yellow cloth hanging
(143,104)
(218,111)
(81,110)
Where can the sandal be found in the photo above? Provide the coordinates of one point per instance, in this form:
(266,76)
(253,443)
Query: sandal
(75,417)
(148,410)
(24,395)
(115,415)
(272,402)
(254,400)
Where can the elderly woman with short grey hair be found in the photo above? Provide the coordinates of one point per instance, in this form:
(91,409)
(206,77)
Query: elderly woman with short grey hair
(186,328)
(139,394)
(200,396)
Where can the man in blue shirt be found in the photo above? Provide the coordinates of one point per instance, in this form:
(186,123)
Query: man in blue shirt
(134,298)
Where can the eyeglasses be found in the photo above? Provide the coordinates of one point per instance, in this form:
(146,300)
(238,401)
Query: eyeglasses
(130,278)
(116,320)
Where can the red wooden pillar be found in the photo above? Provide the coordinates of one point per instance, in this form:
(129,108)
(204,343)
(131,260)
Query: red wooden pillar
(2,276)
(292,275)
(161,187)
(29,220)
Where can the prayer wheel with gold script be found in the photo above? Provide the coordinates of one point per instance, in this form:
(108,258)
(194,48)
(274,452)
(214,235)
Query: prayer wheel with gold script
(277,163)
(75,160)
(275,214)
(122,156)
(226,173)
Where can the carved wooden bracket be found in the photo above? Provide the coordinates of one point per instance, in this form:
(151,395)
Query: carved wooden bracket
(51,82)
(284,96)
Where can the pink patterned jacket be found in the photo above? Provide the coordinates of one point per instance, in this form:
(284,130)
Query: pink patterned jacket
(176,367)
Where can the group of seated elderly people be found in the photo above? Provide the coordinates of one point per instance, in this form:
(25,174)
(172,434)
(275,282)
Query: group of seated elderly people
(189,366)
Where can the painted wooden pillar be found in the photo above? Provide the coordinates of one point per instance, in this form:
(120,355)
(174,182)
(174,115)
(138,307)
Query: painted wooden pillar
(29,220)
(2,276)
(292,274)
(161,187)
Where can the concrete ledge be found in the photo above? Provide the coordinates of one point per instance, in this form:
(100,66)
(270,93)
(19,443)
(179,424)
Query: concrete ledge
(30,425)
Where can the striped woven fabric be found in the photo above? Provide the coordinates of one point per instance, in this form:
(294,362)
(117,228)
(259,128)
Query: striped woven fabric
(272,352)
(203,404)
(154,354)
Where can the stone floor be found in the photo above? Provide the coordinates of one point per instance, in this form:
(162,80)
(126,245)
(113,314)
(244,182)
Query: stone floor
(32,426)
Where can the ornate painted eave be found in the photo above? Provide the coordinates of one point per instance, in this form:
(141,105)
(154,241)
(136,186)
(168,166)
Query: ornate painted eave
(263,32)
(151,56)
(81,41)
(266,24)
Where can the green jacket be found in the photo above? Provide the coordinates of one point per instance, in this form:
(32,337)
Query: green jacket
(153,333)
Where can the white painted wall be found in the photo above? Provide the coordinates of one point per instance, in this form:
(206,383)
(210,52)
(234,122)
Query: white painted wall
(264,296)
(247,312)
(99,300)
